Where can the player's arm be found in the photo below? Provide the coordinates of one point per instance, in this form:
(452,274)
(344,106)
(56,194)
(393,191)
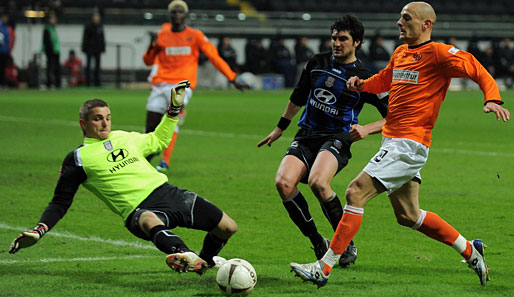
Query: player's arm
(297,100)
(291,110)
(152,51)
(72,175)
(459,63)
(211,52)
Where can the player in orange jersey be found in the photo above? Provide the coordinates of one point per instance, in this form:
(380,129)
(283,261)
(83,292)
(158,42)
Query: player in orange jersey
(176,50)
(417,77)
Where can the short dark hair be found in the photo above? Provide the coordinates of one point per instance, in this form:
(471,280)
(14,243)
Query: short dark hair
(352,25)
(88,106)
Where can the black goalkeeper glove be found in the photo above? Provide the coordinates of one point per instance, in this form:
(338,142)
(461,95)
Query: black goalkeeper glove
(27,238)
(178,94)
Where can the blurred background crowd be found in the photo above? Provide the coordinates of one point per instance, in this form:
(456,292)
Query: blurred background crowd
(54,43)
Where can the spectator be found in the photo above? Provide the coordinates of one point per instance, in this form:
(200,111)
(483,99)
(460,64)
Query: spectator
(52,50)
(257,57)
(4,47)
(281,59)
(378,54)
(11,73)
(73,70)
(325,45)
(93,45)
(302,54)
(33,72)
(228,53)
(505,67)
(475,50)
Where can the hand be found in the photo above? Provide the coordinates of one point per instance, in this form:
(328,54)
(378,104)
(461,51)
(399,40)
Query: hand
(500,112)
(240,85)
(274,135)
(28,238)
(358,132)
(354,84)
(178,95)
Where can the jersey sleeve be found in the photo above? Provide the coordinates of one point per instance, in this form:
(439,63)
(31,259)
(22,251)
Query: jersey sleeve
(301,91)
(157,140)
(71,176)
(380,101)
(212,54)
(149,56)
(458,63)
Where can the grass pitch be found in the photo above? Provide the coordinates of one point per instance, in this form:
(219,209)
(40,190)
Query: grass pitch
(468,181)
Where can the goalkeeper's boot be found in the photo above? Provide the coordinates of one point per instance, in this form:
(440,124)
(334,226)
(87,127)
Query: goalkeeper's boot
(162,167)
(477,261)
(311,272)
(321,248)
(349,256)
(186,262)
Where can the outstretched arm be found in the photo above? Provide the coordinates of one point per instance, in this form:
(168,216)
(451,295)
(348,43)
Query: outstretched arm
(291,110)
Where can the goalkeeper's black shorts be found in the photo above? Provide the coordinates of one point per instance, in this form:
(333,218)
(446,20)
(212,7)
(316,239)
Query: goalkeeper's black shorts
(176,207)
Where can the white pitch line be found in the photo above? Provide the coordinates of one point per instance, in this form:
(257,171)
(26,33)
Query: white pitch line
(91,238)
(233,135)
(81,259)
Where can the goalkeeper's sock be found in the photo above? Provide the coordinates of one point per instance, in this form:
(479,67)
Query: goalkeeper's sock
(212,245)
(332,210)
(298,211)
(166,154)
(166,241)
(435,227)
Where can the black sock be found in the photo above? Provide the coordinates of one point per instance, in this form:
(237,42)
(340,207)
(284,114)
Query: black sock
(166,241)
(298,210)
(212,245)
(332,210)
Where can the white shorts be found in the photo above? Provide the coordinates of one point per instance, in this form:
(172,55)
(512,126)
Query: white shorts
(159,98)
(398,161)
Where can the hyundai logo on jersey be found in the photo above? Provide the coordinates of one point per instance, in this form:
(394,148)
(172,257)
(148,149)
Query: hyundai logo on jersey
(325,96)
(117,155)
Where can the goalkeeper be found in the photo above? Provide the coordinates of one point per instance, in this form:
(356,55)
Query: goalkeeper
(112,165)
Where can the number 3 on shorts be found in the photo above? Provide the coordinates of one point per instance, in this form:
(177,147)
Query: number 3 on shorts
(380,155)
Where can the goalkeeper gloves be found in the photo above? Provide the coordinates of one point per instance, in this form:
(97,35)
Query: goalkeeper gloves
(178,94)
(27,238)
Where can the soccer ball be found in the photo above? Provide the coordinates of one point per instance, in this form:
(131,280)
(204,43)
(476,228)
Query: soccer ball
(236,277)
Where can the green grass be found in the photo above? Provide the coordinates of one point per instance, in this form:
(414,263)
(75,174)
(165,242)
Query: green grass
(468,181)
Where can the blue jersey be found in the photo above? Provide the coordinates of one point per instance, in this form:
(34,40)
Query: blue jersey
(329,106)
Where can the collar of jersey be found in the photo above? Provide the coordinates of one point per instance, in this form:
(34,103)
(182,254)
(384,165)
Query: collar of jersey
(89,140)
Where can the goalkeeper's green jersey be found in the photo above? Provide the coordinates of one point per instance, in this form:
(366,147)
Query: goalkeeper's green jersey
(114,169)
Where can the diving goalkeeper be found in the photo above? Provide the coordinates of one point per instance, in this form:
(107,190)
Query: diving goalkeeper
(112,165)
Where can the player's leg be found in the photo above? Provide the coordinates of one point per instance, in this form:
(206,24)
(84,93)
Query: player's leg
(405,202)
(156,107)
(362,189)
(167,152)
(289,174)
(325,167)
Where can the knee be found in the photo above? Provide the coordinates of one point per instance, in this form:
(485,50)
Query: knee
(405,219)
(318,186)
(148,220)
(227,227)
(353,194)
(284,186)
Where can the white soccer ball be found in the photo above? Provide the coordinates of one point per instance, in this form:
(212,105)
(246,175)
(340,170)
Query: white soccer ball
(236,277)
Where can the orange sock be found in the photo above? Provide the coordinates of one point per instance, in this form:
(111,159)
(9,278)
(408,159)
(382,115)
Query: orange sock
(166,154)
(434,227)
(346,230)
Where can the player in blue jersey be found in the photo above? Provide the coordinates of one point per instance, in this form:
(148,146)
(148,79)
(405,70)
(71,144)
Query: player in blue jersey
(328,126)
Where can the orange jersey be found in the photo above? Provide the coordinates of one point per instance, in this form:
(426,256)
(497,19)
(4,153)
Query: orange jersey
(177,54)
(417,80)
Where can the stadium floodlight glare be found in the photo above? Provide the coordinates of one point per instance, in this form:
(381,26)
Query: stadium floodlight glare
(241,16)
(148,16)
(34,14)
(306,16)
(219,18)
